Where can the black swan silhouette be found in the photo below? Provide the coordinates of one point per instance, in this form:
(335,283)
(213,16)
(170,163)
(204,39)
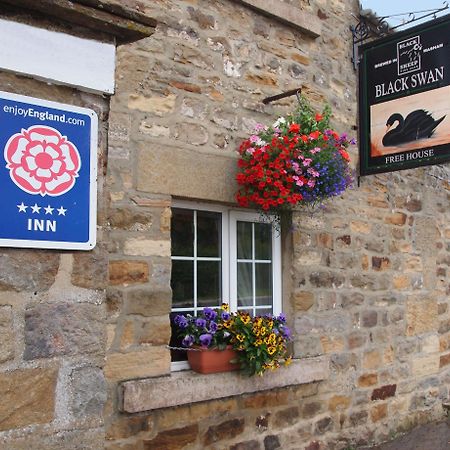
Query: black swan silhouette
(417,125)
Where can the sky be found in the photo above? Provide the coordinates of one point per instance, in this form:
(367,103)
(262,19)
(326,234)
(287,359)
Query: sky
(388,7)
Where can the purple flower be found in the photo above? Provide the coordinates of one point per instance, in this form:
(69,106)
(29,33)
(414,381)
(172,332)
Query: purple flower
(225,315)
(282,318)
(181,321)
(205,340)
(286,332)
(187,341)
(200,323)
(212,327)
(209,314)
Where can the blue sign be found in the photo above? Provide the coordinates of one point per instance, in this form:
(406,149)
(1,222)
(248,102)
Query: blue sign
(48,174)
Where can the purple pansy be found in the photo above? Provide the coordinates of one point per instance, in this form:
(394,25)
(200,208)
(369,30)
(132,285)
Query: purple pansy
(205,339)
(187,341)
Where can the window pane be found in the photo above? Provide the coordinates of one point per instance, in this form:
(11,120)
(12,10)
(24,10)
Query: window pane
(262,311)
(244,240)
(182,232)
(208,233)
(244,284)
(263,282)
(209,283)
(263,241)
(182,284)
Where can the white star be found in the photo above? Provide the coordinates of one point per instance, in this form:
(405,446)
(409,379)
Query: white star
(61,211)
(22,207)
(36,208)
(49,210)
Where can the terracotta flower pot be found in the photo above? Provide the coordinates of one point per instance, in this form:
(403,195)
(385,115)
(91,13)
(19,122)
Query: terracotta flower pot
(208,360)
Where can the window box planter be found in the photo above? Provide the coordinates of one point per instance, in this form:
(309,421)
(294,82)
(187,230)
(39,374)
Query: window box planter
(212,360)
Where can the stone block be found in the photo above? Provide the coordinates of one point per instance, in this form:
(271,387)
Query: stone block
(294,16)
(339,403)
(90,269)
(287,417)
(158,105)
(63,329)
(88,392)
(148,302)
(425,365)
(332,344)
(247,445)
(430,344)
(225,430)
(176,171)
(151,362)
(146,247)
(27,270)
(6,334)
(358,418)
(369,318)
(155,331)
(421,316)
(378,412)
(401,281)
(174,439)
(360,227)
(130,219)
(128,272)
(384,392)
(368,379)
(311,409)
(303,300)
(372,359)
(28,397)
(397,218)
(271,442)
(444,360)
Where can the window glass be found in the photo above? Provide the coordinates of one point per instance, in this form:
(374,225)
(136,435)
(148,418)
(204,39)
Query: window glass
(182,232)
(244,240)
(182,284)
(208,234)
(244,284)
(263,241)
(209,281)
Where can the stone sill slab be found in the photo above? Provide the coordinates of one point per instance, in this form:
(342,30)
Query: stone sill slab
(181,388)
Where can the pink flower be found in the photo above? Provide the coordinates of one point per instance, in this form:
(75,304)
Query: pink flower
(42,161)
(307,162)
(315,150)
(253,138)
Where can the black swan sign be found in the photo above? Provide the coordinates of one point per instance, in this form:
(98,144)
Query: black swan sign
(404,99)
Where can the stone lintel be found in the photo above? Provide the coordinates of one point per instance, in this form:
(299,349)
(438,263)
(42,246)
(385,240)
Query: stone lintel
(293,16)
(123,24)
(181,388)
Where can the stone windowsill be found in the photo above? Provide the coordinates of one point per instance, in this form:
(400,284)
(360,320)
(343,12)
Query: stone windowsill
(181,388)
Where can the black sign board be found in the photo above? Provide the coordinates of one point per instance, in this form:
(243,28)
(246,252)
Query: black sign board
(404,99)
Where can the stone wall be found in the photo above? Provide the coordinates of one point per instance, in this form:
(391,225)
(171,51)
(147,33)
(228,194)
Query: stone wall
(52,328)
(365,279)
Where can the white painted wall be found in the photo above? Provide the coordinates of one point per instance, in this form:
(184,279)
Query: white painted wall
(57,57)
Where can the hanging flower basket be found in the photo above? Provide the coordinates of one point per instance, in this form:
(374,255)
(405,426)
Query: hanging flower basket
(297,161)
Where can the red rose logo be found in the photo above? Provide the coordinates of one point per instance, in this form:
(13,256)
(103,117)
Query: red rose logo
(42,161)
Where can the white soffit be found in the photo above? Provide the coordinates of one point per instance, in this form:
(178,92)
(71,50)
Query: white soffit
(57,57)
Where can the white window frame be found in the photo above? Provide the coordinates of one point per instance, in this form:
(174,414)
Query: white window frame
(230,217)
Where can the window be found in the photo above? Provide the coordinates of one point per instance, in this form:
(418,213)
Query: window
(223,255)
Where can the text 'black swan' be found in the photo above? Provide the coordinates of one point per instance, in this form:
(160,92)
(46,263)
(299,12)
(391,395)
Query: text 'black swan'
(418,125)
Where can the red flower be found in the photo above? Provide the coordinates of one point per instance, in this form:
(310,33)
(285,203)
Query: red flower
(319,117)
(344,154)
(294,128)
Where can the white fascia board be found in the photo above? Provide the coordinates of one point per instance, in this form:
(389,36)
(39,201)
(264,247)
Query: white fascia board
(57,57)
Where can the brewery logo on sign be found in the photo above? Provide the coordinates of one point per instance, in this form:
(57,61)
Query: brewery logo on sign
(409,55)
